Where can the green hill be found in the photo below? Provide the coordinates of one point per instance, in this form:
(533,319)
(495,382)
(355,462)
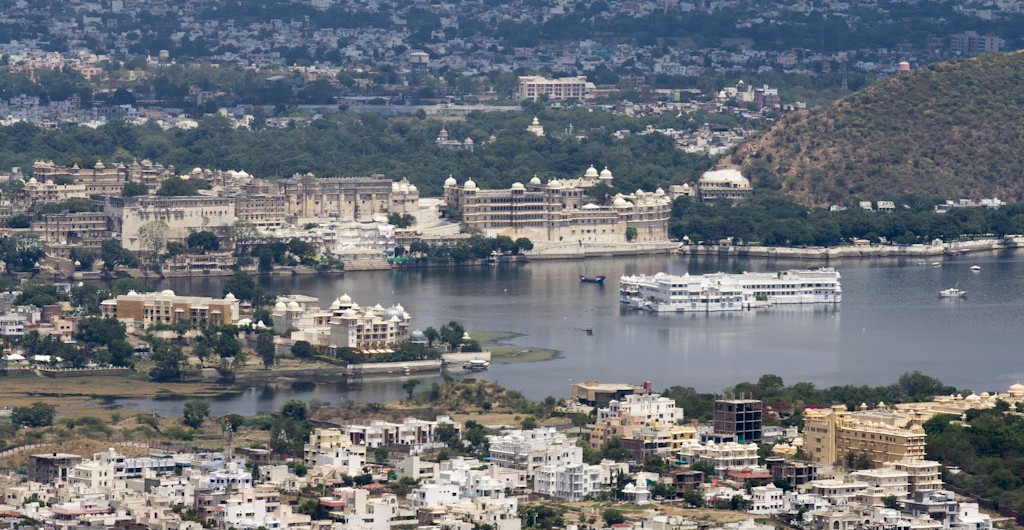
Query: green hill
(949,130)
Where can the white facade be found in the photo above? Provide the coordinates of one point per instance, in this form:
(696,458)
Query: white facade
(766,500)
(649,407)
(528,450)
(567,482)
(723,456)
(729,292)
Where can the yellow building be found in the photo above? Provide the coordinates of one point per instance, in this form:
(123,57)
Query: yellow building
(831,436)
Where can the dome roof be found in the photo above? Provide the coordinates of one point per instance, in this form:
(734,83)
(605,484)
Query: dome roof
(230,297)
(32,180)
(280,306)
(606,173)
(293,305)
(518,186)
(336,304)
(345,299)
(392,313)
(640,193)
(536,121)
(1017,389)
(412,187)
(417,335)
(468,141)
(378,307)
(659,192)
(591,172)
(972,397)
(620,202)
(555,185)
(450,181)
(535,181)
(400,308)
(470,185)
(167,292)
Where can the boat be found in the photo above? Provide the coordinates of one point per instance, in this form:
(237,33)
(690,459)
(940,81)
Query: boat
(476,365)
(952,292)
(591,279)
(936,264)
(729,292)
(975,268)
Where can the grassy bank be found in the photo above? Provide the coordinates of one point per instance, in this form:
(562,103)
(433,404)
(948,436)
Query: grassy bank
(503,353)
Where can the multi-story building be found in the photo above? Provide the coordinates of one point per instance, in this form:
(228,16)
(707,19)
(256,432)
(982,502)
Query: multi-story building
(358,199)
(740,418)
(724,456)
(971,43)
(414,433)
(140,311)
(263,211)
(61,232)
(47,192)
(528,450)
(568,482)
(101,179)
(50,468)
(723,183)
(794,472)
(181,215)
(368,328)
(921,474)
(837,436)
(559,211)
(534,87)
(645,422)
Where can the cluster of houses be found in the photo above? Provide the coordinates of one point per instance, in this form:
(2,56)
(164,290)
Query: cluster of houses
(713,465)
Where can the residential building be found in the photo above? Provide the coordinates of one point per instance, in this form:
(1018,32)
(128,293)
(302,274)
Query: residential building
(724,456)
(535,87)
(922,475)
(62,232)
(528,450)
(739,417)
(971,43)
(796,473)
(50,468)
(140,311)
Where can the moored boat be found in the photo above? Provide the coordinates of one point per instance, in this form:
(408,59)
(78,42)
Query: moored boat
(591,279)
(476,365)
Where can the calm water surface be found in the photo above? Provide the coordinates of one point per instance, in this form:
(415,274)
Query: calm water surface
(890,321)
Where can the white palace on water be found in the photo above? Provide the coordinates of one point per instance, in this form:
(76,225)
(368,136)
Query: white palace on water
(729,292)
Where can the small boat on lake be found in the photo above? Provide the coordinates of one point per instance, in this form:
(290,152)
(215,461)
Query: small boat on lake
(592,279)
(975,268)
(476,365)
(952,292)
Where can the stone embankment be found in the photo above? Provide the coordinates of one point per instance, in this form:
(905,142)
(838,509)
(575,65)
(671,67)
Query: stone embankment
(856,251)
(576,250)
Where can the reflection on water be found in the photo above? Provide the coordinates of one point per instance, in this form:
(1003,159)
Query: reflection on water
(891,320)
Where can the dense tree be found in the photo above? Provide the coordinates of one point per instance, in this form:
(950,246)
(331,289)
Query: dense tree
(134,189)
(195,412)
(37,414)
(303,350)
(266,349)
(204,241)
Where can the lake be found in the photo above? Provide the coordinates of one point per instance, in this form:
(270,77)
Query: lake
(891,321)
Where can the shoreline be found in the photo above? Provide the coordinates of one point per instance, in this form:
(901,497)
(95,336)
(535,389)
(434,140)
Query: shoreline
(503,353)
(956,248)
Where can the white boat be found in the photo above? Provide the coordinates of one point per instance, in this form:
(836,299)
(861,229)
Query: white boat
(476,365)
(975,268)
(936,264)
(952,292)
(729,292)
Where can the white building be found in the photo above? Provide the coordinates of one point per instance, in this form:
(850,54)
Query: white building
(651,408)
(766,500)
(567,482)
(534,87)
(724,456)
(528,450)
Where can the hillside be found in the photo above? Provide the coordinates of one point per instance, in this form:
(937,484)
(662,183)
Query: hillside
(950,130)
